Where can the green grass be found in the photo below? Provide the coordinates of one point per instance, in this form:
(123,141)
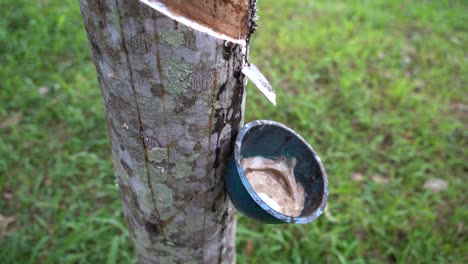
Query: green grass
(377,87)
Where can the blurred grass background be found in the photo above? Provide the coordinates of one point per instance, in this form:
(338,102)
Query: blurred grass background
(379,88)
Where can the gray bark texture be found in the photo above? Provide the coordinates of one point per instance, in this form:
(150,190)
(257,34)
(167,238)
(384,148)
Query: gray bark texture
(174,100)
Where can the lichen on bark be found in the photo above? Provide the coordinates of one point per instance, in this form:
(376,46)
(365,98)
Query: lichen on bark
(176,74)
(172,38)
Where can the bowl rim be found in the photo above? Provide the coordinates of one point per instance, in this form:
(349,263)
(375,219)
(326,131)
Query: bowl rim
(286,218)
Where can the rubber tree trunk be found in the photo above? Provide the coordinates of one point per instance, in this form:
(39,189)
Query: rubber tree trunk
(173,99)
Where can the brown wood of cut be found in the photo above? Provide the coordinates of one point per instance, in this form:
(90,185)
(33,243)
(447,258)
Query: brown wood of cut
(228,17)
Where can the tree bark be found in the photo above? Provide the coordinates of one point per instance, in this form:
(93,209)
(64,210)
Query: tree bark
(174,100)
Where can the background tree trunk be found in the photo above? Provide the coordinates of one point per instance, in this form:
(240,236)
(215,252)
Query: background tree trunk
(174,101)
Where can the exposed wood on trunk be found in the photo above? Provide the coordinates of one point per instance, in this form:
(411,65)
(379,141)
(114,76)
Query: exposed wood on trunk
(174,101)
(228,17)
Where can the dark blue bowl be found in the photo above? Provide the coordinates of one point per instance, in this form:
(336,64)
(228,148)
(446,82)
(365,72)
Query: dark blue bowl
(270,139)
